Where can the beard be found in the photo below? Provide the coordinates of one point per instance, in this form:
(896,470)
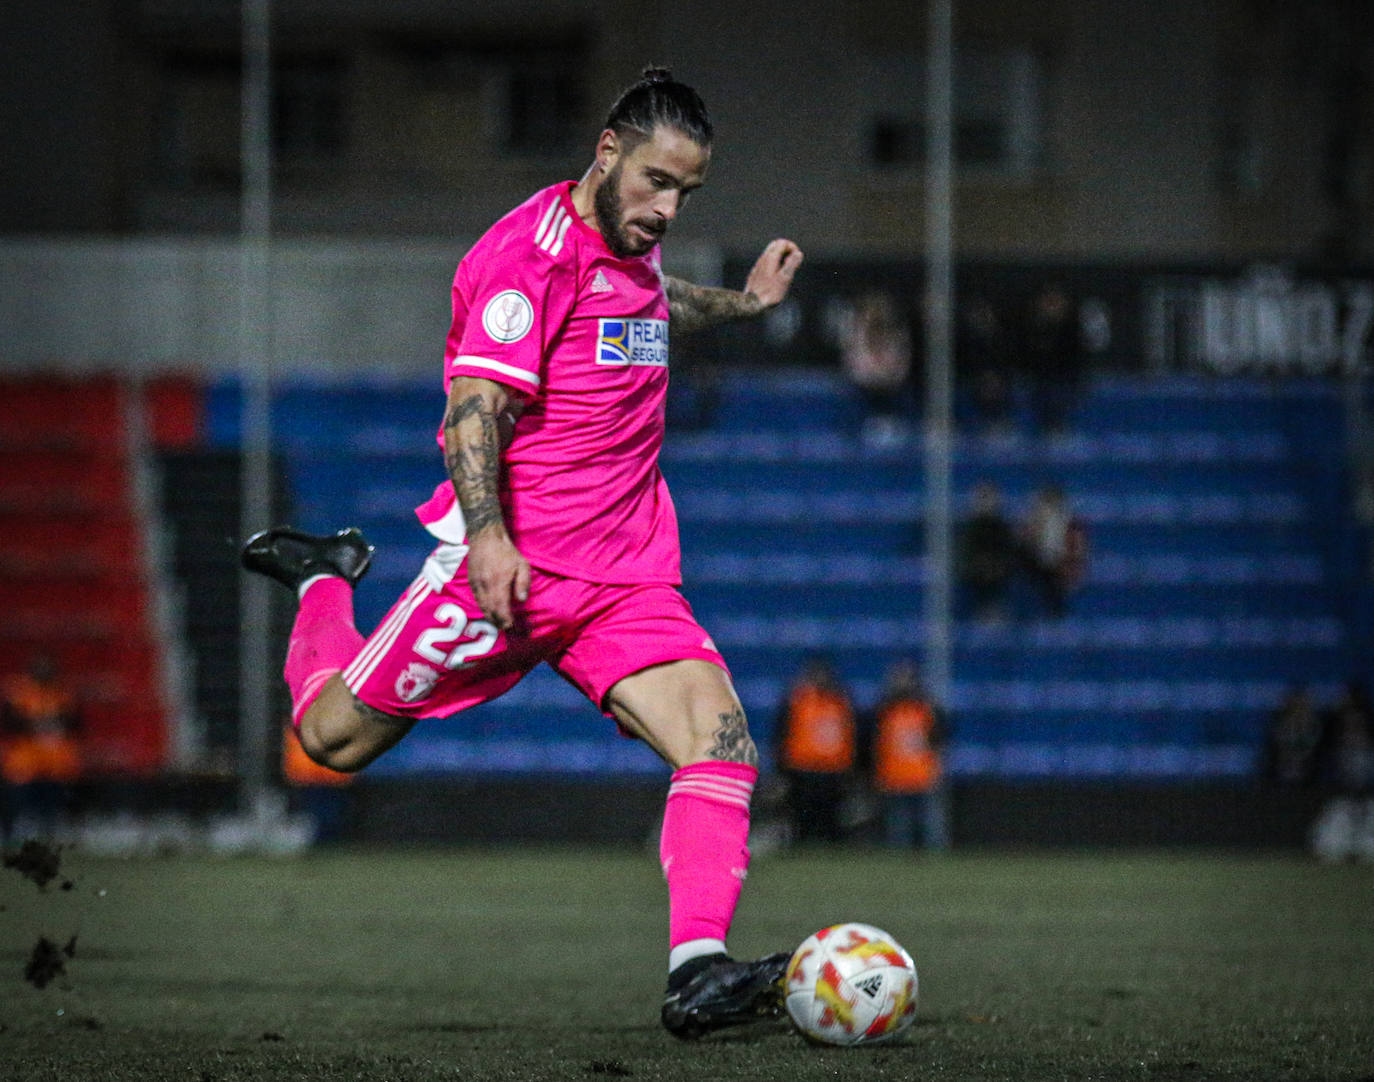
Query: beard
(609,216)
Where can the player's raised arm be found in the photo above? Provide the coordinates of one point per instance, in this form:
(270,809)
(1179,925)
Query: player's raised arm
(498,574)
(693,308)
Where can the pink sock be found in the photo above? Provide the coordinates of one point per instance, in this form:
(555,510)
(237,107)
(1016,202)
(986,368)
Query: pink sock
(704,848)
(323,641)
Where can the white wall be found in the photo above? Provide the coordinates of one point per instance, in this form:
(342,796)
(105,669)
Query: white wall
(338,307)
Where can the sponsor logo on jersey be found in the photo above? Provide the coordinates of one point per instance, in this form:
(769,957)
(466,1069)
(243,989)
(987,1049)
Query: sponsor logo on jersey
(633,341)
(508,316)
(600,284)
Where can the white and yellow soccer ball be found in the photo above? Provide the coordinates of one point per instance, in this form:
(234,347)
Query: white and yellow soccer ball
(851,984)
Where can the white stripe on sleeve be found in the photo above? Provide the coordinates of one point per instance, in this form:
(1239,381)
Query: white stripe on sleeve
(501,367)
(562,232)
(544,225)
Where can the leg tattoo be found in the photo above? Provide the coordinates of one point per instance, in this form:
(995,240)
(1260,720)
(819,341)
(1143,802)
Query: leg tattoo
(380,717)
(733,744)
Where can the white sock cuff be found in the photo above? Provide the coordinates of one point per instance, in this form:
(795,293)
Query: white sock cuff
(693,948)
(300,590)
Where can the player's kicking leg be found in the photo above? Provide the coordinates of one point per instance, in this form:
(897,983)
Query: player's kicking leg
(688,712)
(335,728)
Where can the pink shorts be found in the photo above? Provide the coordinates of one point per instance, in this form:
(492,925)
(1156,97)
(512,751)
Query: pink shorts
(434,654)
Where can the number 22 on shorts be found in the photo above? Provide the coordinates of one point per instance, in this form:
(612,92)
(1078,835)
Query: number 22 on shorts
(435,644)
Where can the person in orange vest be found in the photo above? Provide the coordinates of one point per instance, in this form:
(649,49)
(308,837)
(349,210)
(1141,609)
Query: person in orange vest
(906,735)
(39,754)
(816,749)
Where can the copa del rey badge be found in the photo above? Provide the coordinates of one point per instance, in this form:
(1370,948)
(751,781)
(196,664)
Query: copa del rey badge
(508,316)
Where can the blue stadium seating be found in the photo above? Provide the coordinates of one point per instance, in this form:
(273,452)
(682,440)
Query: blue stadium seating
(1219,571)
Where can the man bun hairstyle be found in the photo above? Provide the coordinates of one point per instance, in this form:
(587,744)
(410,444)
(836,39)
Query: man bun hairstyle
(657,99)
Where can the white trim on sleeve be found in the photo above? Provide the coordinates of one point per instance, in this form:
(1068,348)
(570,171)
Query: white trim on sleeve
(451,529)
(508,370)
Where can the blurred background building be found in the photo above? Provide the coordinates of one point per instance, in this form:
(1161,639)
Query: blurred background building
(1112,129)
(1195,178)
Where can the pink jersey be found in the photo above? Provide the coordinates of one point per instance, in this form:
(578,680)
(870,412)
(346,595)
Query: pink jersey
(541,305)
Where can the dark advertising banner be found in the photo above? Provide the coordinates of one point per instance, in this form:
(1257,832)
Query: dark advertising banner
(1220,320)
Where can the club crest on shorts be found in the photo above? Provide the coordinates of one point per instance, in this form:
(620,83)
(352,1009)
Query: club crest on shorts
(415,682)
(508,316)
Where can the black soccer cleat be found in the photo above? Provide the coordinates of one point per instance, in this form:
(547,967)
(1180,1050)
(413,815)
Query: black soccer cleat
(720,992)
(292,556)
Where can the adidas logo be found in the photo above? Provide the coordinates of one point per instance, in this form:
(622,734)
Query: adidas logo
(600,284)
(870,986)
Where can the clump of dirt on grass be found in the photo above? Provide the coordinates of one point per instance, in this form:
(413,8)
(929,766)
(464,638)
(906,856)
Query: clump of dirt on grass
(38,862)
(48,961)
(41,864)
(611,1067)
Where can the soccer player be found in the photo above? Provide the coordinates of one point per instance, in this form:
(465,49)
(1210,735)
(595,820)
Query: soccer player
(558,541)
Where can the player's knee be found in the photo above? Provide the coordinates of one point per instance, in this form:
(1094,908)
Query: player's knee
(331,745)
(341,733)
(315,744)
(347,758)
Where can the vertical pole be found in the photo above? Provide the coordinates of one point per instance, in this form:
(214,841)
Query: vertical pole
(255,374)
(938,312)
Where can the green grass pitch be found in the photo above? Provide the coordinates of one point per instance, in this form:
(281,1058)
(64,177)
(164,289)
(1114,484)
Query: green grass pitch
(548,964)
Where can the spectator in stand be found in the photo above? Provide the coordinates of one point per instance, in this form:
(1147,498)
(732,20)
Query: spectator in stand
(1344,759)
(984,364)
(1052,356)
(39,755)
(1295,729)
(816,748)
(1055,543)
(1345,755)
(876,354)
(904,742)
(987,553)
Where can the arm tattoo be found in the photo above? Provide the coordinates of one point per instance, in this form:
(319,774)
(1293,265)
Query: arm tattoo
(472,455)
(733,743)
(693,308)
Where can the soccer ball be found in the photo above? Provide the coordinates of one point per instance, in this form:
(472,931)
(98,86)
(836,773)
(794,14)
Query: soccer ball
(851,984)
